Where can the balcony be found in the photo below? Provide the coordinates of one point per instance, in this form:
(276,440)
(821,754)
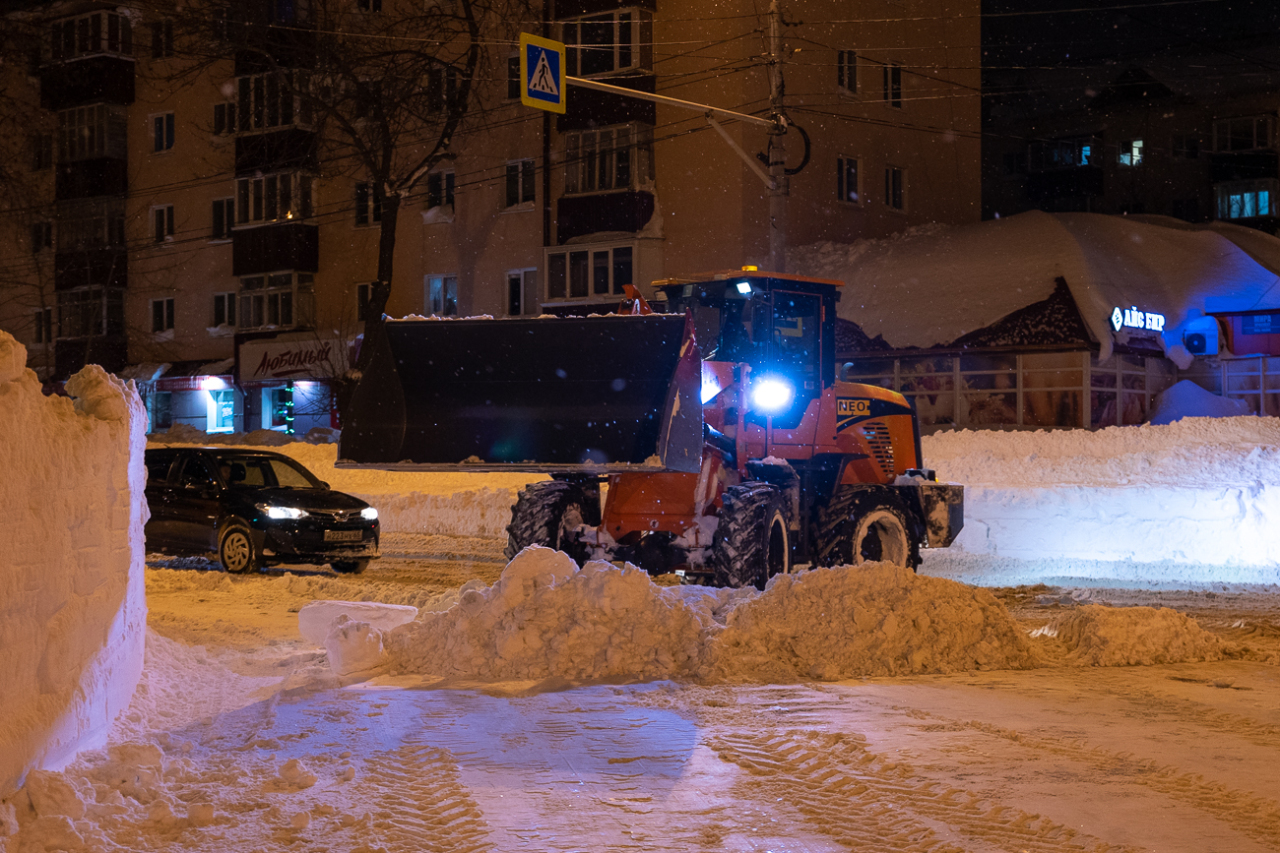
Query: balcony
(588,108)
(94,79)
(282,246)
(90,267)
(1252,165)
(276,151)
(97,176)
(578,216)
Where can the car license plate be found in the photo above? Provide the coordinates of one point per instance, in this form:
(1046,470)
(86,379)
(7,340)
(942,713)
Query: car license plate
(343,535)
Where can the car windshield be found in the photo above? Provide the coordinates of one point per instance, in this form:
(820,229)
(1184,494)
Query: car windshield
(265,471)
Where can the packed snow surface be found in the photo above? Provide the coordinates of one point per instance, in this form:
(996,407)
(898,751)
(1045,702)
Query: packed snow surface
(72,604)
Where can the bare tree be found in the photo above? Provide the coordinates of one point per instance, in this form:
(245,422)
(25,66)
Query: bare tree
(386,84)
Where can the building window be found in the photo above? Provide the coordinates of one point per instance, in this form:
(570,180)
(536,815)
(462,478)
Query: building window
(615,158)
(160,410)
(440,189)
(277,408)
(161,315)
(1186,147)
(221,410)
(368,204)
(91,311)
(615,41)
(162,127)
(893,84)
(161,39)
(369,5)
(847,187)
(1131,152)
(522,292)
(93,131)
(847,71)
(364,292)
(273,198)
(1061,154)
(1248,133)
(1247,199)
(162,223)
(41,152)
(442,295)
(589,272)
(88,35)
(520,183)
(224,118)
(895,188)
(278,300)
(442,89)
(224,309)
(90,224)
(265,101)
(43,321)
(224,210)
(514,84)
(41,236)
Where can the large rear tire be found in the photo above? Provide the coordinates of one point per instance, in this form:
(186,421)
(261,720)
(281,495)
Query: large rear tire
(752,541)
(548,514)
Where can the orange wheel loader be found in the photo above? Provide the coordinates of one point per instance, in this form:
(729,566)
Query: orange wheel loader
(710,437)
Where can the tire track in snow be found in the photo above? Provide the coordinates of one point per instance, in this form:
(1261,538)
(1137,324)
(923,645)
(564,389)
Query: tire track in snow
(1251,815)
(418,803)
(867,802)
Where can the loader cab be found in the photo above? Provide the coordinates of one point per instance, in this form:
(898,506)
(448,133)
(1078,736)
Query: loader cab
(782,326)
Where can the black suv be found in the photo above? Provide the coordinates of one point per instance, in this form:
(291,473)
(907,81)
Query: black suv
(254,508)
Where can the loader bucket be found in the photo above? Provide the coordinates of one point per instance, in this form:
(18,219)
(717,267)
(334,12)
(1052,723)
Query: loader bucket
(595,394)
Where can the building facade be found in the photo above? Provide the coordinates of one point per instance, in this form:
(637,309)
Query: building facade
(196,226)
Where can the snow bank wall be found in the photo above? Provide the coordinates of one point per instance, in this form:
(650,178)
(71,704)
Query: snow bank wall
(72,599)
(1195,500)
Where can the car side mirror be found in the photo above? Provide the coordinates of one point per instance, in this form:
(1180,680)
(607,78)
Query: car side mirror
(323,484)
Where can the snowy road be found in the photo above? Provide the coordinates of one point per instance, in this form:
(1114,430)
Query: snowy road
(241,739)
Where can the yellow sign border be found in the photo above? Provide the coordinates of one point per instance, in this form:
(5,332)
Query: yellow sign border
(545,44)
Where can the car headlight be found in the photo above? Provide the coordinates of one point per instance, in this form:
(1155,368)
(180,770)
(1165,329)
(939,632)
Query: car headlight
(771,395)
(369,513)
(279,513)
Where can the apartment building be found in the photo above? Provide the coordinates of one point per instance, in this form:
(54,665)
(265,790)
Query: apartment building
(209,236)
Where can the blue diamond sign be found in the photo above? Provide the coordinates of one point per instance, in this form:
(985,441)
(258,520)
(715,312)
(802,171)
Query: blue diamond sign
(542,73)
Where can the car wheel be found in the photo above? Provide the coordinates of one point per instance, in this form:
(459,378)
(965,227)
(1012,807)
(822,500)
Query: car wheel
(752,542)
(236,549)
(349,567)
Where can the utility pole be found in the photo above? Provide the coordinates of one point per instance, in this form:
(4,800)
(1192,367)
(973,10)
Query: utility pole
(777,147)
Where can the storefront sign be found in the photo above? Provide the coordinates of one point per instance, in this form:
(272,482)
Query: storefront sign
(1260,324)
(264,361)
(1132,318)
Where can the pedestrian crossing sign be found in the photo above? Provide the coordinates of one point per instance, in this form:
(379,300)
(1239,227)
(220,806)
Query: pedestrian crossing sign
(542,73)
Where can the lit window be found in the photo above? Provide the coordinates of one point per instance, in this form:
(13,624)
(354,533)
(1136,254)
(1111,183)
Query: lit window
(1247,199)
(273,198)
(1131,153)
(221,410)
(442,295)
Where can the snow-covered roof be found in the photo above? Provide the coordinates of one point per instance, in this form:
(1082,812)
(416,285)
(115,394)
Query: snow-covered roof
(932,284)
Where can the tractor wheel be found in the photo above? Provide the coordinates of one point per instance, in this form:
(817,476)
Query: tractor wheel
(548,514)
(876,530)
(752,542)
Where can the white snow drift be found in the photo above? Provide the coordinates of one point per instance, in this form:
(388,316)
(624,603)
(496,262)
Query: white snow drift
(72,603)
(547,619)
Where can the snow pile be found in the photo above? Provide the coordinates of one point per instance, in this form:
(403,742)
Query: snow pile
(1195,500)
(316,618)
(545,618)
(1130,636)
(839,623)
(1186,399)
(72,602)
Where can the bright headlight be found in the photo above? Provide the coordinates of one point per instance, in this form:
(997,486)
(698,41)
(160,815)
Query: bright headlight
(771,395)
(369,513)
(279,513)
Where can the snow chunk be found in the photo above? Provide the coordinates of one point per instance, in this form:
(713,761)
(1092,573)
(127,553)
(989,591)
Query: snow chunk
(316,618)
(1132,636)
(354,647)
(1186,399)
